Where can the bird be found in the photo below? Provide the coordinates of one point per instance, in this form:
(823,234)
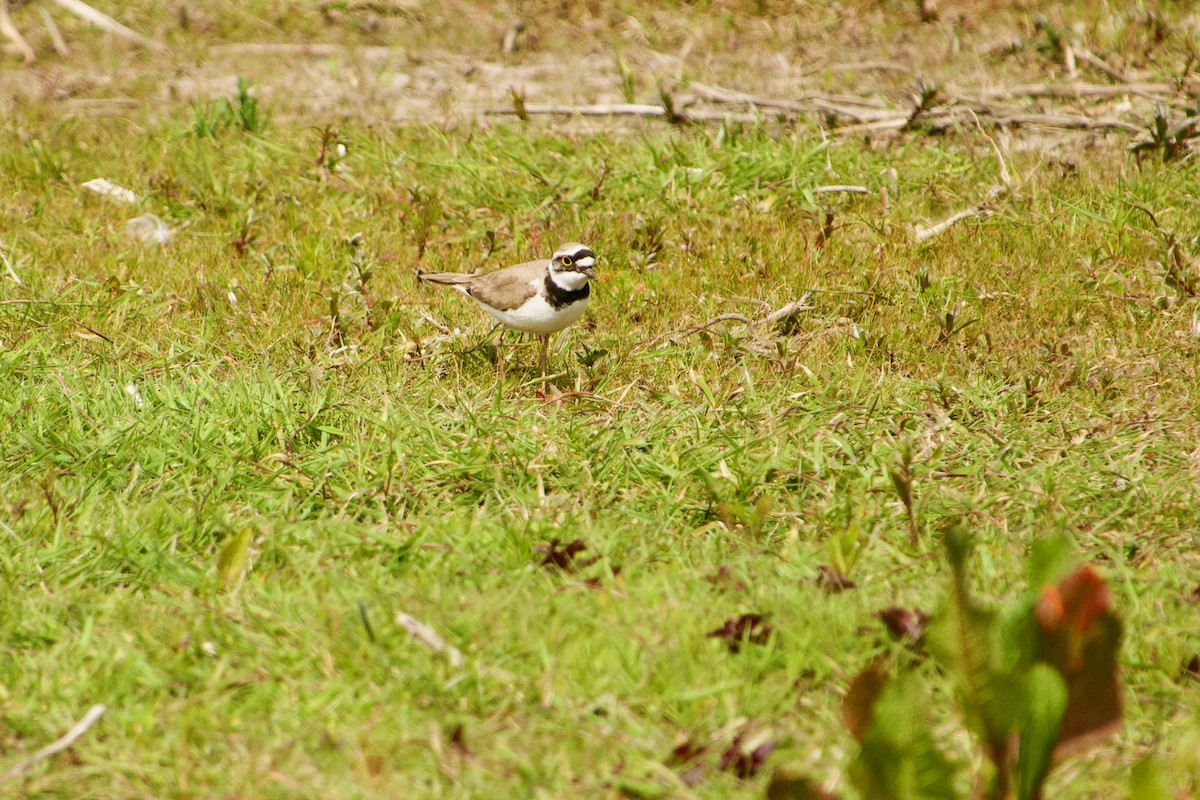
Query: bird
(76,7)
(538,297)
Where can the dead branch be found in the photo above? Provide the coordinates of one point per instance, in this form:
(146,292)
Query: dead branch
(943,119)
(1067,121)
(1095,61)
(841,190)
(691,329)
(8,267)
(595,110)
(865,115)
(100,20)
(981,210)
(808,103)
(429,638)
(889,124)
(440,326)
(981,95)
(635,110)
(778,315)
(973,102)
(56,37)
(788,311)
(870,66)
(62,743)
(10,32)
(93,331)
(717,320)
(1005,177)
(1068,56)
(509,44)
(386,9)
(370,53)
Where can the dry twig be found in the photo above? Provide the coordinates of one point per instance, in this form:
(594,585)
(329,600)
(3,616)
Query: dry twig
(779,314)
(981,210)
(633,110)
(850,116)
(806,103)
(790,310)
(62,743)
(841,190)
(429,638)
(8,267)
(984,209)
(1034,91)
(100,20)
(731,317)
(1005,178)
(1068,54)
(10,32)
(1093,60)
(56,37)
(973,102)
(1067,121)
(509,44)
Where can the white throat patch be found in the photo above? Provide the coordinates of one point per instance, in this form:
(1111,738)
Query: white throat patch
(571,281)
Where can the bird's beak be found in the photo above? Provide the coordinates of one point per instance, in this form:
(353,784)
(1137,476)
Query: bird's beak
(590,272)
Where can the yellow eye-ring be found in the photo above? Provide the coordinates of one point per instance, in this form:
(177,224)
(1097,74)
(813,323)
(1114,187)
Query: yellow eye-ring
(567,261)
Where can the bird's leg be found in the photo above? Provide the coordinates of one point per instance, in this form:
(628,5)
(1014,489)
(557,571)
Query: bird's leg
(545,337)
(500,357)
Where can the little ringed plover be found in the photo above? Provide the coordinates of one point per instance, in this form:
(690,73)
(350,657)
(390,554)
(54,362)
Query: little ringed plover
(539,297)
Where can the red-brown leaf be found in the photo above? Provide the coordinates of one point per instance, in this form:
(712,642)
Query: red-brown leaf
(752,628)
(1081,637)
(859,703)
(687,755)
(744,757)
(832,580)
(903,624)
(686,751)
(1075,603)
(564,555)
(723,579)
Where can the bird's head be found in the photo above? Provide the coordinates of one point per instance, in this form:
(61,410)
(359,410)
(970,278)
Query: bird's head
(573,265)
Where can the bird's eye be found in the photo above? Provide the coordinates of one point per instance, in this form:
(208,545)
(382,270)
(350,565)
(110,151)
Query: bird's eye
(567,261)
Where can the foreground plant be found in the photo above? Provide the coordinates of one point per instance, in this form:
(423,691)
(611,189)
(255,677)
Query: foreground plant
(1033,684)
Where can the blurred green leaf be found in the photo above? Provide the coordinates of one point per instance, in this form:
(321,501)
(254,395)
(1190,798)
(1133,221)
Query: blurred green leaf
(786,786)
(1045,702)
(898,759)
(902,486)
(965,639)
(640,789)
(1050,558)
(1148,780)
(232,561)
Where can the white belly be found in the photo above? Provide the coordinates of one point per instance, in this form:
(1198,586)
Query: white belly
(538,316)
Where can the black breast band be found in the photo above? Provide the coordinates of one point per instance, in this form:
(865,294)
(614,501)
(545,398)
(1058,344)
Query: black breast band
(559,297)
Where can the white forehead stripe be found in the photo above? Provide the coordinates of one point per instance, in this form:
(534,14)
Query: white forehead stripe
(586,261)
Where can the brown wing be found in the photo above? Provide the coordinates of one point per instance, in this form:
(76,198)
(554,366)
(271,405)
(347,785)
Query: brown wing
(505,289)
(447,278)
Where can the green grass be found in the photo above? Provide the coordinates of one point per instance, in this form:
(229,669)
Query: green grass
(264,371)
